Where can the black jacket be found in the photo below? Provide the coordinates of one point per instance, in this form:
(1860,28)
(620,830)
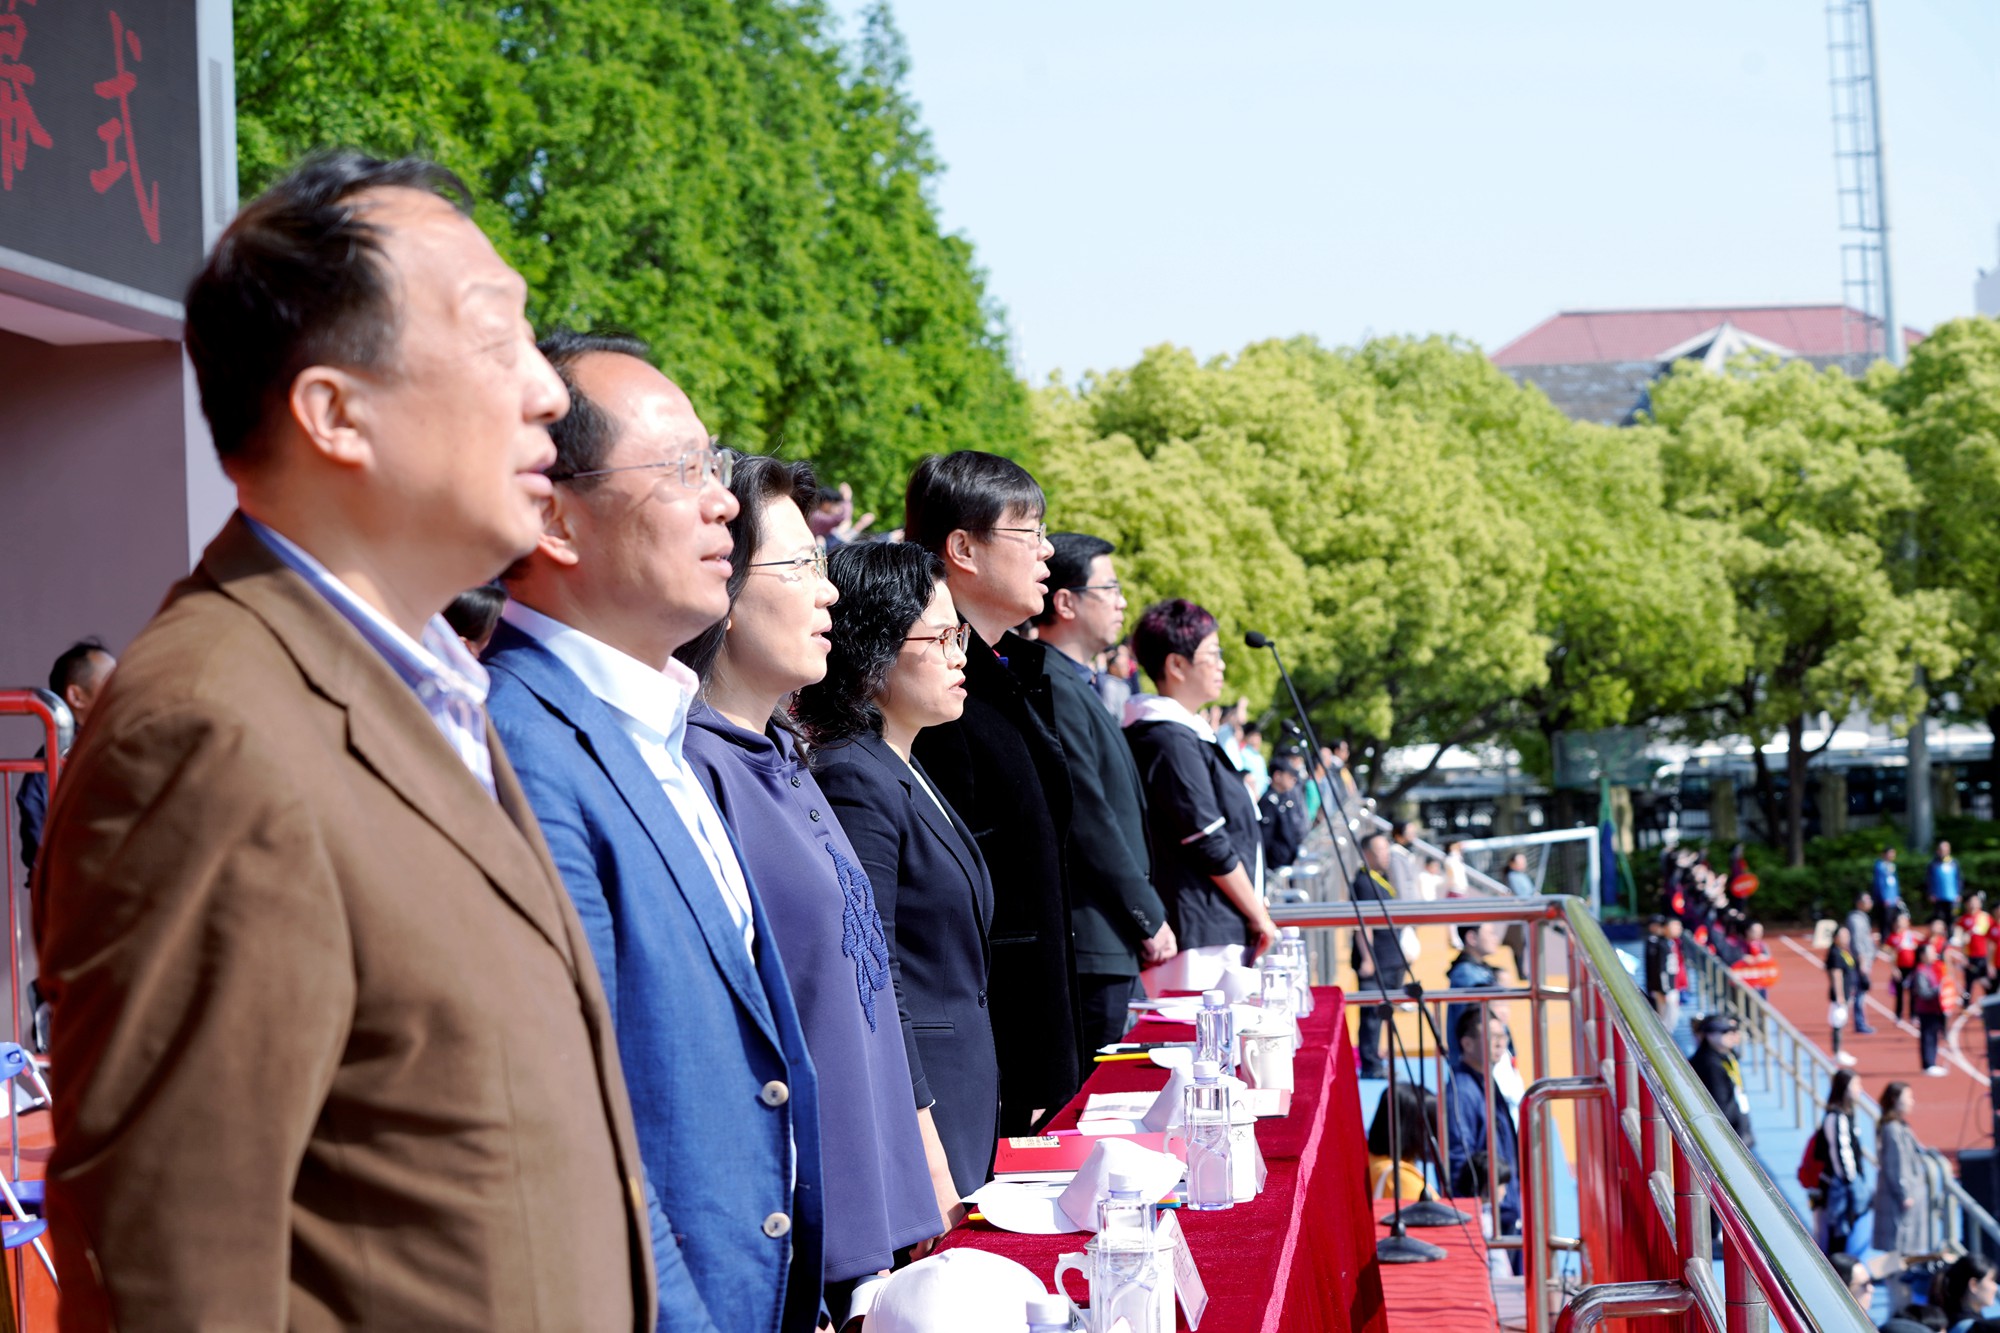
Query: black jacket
(1711,1067)
(1660,978)
(1284,826)
(1002,769)
(1202,823)
(1388,948)
(936,903)
(1114,907)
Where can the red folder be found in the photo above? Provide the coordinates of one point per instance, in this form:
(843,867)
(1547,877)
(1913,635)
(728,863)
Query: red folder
(1048,1154)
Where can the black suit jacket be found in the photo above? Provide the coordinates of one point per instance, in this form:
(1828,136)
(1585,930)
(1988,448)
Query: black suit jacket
(1711,1066)
(1284,819)
(1388,949)
(1114,907)
(936,903)
(1002,769)
(1202,823)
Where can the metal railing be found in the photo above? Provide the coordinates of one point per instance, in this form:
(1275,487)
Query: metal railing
(1796,1071)
(1660,1174)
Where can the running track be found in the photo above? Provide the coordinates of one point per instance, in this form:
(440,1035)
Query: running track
(1952,1112)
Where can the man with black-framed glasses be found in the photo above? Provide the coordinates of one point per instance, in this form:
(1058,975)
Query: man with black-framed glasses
(1002,767)
(634,561)
(1116,914)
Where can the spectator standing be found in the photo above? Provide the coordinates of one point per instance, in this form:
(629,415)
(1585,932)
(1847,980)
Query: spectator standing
(1207,850)
(1283,813)
(1115,913)
(1250,758)
(1861,938)
(1431,880)
(1114,683)
(1000,766)
(1932,1004)
(1888,891)
(1457,884)
(79,675)
(1904,942)
(1378,965)
(1843,971)
(1977,927)
(1840,1173)
(886,1181)
(1338,758)
(332,1046)
(1943,882)
(1903,1222)
(1663,969)
(1756,966)
(1519,882)
(1481,1039)
(634,562)
(1404,865)
(896,667)
(1714,1060)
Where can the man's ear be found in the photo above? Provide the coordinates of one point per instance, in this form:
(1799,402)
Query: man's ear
(961,552)
(561,517)
(331,409)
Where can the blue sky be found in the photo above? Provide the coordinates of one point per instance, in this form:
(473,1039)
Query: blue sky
(1143,171)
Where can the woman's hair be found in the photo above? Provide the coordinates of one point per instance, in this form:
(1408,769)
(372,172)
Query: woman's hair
(1892,1101)
(1173,626)
(1958,1279)
(1840,1092)
(884,588)
(1416,1114)
(759,479)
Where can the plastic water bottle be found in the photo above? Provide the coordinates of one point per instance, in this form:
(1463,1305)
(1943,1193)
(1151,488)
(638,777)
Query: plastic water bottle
(1215,1032)
(1209,1186)
(1048,1314)
(1274,984)
(1125,1255)
(1293,941)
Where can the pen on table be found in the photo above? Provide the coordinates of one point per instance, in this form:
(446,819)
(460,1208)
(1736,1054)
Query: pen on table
(1107,1059)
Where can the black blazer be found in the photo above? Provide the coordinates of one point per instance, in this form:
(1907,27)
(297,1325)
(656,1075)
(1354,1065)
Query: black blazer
(1388,944)
(1003,772)
(1114,907)
(936,903)
(1202,823)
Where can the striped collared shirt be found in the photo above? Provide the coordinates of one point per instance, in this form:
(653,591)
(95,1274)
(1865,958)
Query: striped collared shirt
(447,679)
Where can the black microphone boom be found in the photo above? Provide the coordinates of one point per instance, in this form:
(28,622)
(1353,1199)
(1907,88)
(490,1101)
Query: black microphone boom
(1397,1247)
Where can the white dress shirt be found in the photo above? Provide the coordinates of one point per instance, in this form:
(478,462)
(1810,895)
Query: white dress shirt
(651,706)
(448,680)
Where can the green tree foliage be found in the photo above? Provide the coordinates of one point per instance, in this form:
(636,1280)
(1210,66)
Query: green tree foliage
(1795,468)
(1948,399)
(722,177)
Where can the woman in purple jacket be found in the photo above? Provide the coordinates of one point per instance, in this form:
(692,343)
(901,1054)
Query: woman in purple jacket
(887,1183)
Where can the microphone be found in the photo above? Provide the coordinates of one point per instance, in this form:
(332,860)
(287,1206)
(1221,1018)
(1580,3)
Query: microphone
(1397,1246)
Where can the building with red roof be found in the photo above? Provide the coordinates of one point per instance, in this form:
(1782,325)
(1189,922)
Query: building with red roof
(1597,365)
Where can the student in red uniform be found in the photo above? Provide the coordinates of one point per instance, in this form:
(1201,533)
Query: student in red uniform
(1931,1000)
(1905,939)
(1977,924)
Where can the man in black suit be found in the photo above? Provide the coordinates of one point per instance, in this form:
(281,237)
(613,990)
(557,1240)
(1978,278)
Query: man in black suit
(1714,1060)
(1001,766)
(1283,814)
(1115,912)
(1384,968)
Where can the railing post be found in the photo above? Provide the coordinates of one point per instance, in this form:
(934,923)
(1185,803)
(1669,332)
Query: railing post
(1622,1300)
(1745,1311)
(1536,1183)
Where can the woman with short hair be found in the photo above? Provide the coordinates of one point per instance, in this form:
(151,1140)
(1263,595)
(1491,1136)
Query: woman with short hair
(1207,851)
(897,666)
(887,1185)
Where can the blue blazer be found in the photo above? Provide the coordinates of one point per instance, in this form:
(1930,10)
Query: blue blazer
(722,1088)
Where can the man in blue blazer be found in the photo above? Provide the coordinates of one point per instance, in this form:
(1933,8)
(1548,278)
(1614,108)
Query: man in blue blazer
(587,697)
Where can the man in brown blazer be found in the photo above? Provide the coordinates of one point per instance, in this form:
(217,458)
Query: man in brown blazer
(329,1048)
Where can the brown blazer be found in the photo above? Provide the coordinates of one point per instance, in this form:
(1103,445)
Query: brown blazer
(329,1049)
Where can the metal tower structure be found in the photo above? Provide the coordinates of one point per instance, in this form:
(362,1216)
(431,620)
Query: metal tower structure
(1869,329)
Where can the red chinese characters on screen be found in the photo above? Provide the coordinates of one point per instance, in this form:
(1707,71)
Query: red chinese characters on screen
(118,130)
(19,126)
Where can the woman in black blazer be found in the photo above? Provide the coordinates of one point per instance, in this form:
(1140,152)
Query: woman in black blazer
(898,666)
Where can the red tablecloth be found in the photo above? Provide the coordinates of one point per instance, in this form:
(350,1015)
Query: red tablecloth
(1453,1295)
(1301,1255)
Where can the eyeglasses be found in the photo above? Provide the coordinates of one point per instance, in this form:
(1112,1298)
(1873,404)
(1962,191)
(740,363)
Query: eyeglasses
(1040,532)
(798,564)
(958,636)
(1114,587)
(693,468)
(1203,659)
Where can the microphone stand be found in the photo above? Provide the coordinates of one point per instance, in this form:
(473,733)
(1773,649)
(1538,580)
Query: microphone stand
(1398,1247)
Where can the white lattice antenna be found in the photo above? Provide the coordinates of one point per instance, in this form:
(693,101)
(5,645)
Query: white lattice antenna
(1868,324)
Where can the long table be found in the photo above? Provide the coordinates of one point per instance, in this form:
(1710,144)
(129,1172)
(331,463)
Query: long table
(1299,1256)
